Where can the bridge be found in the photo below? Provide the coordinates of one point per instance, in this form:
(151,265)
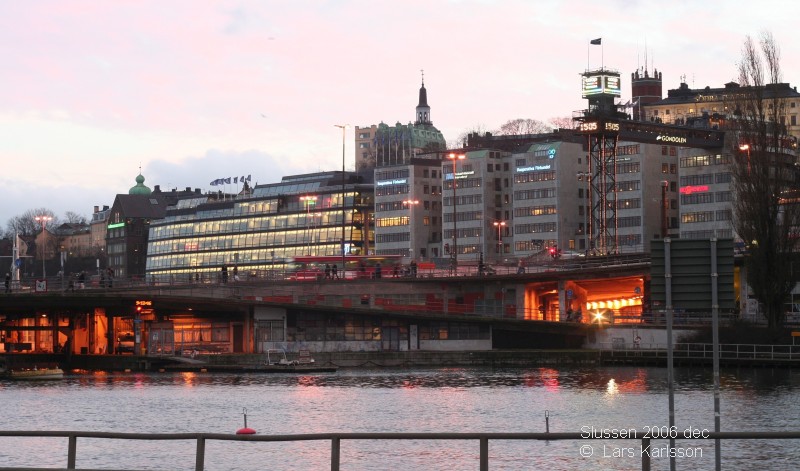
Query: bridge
(535,309)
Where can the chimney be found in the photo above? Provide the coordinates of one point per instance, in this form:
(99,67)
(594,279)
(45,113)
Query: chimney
(97,209)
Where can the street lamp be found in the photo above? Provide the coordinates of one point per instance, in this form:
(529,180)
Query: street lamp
(343,127)
(746,148)
(308,200)
(499,225)
(588,177)
(43,219)
(455,157)
(410,205)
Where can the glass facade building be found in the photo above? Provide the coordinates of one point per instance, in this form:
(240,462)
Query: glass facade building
(260,230)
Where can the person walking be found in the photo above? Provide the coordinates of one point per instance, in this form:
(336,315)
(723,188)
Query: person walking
(327,272)
(224,274)
(334,272)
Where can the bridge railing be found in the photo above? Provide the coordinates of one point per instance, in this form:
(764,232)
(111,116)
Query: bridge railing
(733,351)
(643,438)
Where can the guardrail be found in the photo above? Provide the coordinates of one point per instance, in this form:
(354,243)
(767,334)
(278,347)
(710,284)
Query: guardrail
(705,351)
(643,437)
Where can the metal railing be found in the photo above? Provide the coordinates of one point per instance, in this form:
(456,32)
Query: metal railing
(706,351)
(643,437)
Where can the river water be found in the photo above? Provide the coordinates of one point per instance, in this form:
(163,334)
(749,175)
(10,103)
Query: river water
(400,400)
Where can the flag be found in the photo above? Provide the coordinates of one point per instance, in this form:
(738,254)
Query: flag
(213,183)
(596,42)
(241,179)
(235,179)
(248,178)
(227,181)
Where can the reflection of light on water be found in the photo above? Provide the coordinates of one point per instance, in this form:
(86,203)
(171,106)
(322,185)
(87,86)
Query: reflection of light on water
(550,379)
(188,378)
(612,388)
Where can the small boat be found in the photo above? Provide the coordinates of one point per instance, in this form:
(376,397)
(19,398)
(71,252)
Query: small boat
(36,373)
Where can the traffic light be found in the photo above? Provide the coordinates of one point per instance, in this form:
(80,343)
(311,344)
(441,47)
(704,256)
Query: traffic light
(555,252)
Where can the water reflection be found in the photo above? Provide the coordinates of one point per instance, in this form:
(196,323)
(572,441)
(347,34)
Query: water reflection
(387,400)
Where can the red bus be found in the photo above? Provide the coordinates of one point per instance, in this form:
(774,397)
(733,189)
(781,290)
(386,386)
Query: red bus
(311,268)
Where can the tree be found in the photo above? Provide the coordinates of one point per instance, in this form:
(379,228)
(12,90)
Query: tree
(523,126)
(74,218)
(461,140)
(562,122)
(26,223)
(765,178)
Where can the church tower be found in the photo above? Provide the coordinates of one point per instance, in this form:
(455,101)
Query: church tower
(423,110)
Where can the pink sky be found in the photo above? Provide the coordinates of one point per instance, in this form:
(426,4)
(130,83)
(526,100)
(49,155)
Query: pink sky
(192,91)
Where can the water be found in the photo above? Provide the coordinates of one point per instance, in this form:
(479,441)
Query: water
(398,400)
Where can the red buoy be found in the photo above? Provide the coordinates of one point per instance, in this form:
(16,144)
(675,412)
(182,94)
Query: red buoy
(245,430)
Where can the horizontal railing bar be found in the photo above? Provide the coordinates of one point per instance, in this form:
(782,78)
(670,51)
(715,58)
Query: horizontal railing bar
(392,436)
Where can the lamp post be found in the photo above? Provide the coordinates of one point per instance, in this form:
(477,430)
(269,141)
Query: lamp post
(410,205)
(746,148)
(43,219)
(343,127)
(455,157)
(588,177)
(308,200)
(499,225)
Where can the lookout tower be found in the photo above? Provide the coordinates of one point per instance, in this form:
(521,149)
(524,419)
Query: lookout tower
(600,123)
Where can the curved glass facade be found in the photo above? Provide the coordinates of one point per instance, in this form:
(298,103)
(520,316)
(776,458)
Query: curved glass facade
(257,233)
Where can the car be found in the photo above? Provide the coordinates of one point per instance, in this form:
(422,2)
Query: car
(126,342)
(571,254)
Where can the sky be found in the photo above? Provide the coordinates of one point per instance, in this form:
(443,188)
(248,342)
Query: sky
(192,91)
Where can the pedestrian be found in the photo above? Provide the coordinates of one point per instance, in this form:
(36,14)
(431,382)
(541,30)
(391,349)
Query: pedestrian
(110,273)
(378,271)
(396,271)
(327,271)
(235,273)
(224,274)
(521,268)
(8,282)
(335,272)
(413,268)
(82,280)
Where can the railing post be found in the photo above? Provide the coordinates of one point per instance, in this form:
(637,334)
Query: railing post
(200,455)
(335,449)
(484,454)
(645,454)
(71,451)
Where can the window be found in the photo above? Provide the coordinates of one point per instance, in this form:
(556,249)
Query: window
(664,168)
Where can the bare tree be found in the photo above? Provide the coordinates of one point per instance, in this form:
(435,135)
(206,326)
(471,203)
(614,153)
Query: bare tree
(74,218)
(461,140)
(523,126)
(765,177)
(562,122)
(26,223)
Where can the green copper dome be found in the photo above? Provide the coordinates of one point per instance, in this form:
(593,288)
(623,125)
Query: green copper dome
(140,188)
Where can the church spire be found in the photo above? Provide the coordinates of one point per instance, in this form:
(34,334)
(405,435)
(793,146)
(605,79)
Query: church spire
(423,110)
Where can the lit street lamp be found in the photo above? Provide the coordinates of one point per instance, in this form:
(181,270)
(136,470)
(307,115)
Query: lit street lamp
(499,225)
(746,148)
(343,127)
(410,205)
(43,219)
(455,157)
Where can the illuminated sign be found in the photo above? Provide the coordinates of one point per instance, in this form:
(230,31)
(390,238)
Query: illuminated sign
(459,175)
(689,189)
(402,181)
(533,168)
(673,139)
(551,153)
(591,126)
(114,226)
(144,303)
(601,84)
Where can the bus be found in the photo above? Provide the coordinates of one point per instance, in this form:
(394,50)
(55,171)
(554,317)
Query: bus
(312,268)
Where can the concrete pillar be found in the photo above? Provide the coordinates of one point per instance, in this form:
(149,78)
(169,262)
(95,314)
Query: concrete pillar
(562,300)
